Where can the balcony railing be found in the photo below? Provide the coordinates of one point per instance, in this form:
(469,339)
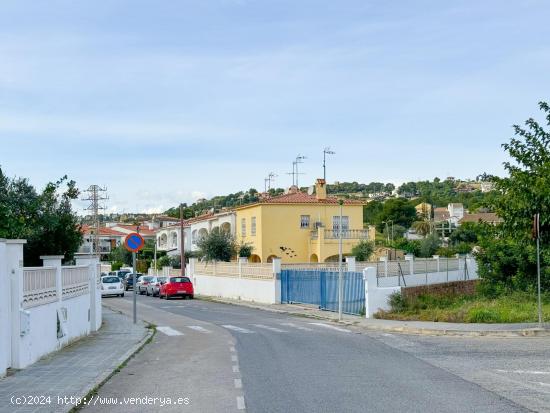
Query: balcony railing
(346,234)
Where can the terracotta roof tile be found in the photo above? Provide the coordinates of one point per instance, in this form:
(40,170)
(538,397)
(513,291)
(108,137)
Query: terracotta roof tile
(303,198)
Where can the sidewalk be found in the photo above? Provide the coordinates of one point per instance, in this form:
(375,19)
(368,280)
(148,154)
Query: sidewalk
(74,370)
(408,327)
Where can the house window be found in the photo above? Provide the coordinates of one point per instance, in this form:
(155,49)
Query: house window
(243,227)
(336,223)
(253,226)
(304,221)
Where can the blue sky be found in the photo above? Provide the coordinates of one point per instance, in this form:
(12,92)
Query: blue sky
(165,102)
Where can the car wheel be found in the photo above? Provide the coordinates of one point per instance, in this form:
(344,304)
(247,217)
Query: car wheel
(191,296)
(122,295)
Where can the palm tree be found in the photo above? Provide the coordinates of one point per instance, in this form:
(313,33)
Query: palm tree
(422,227)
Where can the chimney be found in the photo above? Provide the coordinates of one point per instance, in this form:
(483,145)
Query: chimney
(321,189)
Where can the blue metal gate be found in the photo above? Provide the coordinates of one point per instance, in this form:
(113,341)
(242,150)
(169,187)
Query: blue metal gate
(321,288)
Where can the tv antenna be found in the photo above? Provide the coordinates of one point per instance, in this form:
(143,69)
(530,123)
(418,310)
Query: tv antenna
(267,181)
(299,159)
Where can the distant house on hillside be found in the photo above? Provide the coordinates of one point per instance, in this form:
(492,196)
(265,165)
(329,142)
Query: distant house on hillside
(489,217)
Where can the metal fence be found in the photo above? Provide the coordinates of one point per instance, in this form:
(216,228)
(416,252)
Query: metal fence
(320,288)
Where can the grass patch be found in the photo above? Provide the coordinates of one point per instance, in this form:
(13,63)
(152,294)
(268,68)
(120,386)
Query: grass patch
(516,307)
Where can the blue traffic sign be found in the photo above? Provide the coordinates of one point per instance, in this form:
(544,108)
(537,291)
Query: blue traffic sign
(134,242)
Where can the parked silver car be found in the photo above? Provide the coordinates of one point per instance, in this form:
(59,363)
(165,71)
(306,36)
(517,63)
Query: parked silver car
(142,283)
(153,287)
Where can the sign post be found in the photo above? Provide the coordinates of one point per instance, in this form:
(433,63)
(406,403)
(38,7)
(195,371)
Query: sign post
(134,243)
(536,234)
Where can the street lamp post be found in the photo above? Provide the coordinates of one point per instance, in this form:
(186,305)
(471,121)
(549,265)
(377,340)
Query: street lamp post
(326,152)
(340,274)
(182,251)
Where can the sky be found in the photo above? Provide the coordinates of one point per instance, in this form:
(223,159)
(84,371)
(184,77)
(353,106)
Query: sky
(168,102)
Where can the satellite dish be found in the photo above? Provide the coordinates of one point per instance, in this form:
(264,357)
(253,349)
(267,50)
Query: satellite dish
(310,190)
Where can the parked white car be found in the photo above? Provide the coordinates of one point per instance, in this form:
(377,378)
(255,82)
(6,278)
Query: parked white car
(111,285)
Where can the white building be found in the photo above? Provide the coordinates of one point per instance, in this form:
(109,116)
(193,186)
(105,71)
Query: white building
(203,225)
(456,212)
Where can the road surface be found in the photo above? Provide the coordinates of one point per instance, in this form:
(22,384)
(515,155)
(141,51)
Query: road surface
(225,358)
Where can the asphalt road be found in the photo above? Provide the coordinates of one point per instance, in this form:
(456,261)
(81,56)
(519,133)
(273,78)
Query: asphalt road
(226,358)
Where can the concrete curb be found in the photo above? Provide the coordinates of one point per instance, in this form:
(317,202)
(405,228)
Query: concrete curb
(106,375)
(525,332)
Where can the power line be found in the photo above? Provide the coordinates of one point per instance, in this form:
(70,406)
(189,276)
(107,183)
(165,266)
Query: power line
(95,197)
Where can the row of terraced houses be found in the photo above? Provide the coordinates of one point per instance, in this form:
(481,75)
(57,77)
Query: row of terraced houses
(296,227)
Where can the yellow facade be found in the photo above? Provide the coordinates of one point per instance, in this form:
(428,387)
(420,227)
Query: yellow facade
(281,230)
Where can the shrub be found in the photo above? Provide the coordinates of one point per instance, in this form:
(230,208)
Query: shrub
(117,265)
(397,302)
(245,250)
(483,315)
(363,250)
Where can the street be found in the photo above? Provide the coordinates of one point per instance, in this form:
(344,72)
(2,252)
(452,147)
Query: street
(230,358)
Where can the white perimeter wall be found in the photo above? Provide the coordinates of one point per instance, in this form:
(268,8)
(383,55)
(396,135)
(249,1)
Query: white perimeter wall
(5,304)
(378,291)
(260,291)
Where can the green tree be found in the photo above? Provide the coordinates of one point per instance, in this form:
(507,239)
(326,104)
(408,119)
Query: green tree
(422,227)
(46,220)
(121,254)
(398,210)
(363,250)
(245,250)
(508,257)
(429,246)
(218,245)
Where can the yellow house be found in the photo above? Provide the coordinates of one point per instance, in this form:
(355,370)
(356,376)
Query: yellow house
(424,210)
(299,227)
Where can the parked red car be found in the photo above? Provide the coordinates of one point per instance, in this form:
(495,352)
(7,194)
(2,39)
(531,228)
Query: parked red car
(177,287)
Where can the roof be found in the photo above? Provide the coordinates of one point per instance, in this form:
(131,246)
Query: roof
(490,217)
(87,229)
(142,229)
(441,214)
(302,198)
(165,218)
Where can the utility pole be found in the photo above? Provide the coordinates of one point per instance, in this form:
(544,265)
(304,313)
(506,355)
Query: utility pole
(182,247)
(326,152)
(95,197)
(340,274)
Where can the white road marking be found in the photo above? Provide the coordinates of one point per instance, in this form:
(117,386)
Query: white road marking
(199,329)
(238,384)
(240,403)
(343,330)
(169,331)
(172,306)
(236,369)
(275,329)
(296,326)
(232,349)
(535,372)
(234,359)
(541,383)
(237,329)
